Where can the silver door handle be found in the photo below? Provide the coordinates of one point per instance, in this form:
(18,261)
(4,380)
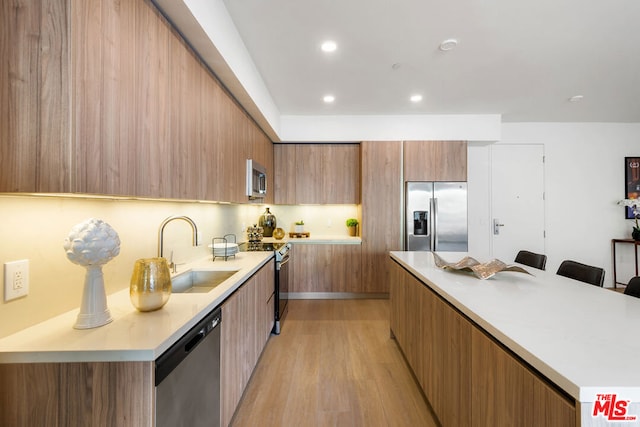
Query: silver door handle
(496,226)
(434,225)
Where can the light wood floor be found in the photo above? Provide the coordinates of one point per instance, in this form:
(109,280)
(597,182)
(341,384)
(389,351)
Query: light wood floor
(333,365)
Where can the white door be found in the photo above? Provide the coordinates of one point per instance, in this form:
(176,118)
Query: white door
(517,200)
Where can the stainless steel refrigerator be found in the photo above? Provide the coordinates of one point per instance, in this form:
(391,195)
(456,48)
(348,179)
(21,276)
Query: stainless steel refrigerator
(436,216)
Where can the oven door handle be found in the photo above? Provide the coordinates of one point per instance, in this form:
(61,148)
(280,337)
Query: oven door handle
(284,260)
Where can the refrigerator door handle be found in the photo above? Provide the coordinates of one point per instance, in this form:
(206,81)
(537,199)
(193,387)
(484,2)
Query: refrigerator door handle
(434,224)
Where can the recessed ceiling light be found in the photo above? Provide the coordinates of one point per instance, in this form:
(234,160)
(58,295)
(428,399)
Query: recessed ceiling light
(416,98)
(328,99)
(329,46)
(576,98)
(448,44)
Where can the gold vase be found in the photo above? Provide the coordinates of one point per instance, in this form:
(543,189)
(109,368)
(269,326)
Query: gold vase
(278,233)
(150,287)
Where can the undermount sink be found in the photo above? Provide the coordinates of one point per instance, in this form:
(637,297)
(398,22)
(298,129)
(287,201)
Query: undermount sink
(199,281)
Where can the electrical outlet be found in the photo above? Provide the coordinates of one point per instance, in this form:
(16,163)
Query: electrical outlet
(16,279)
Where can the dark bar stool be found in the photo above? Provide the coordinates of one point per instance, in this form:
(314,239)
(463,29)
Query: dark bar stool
(633,288)
(531,259)
(582,272)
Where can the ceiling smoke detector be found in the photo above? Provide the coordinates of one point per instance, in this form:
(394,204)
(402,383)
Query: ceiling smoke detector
(448,45)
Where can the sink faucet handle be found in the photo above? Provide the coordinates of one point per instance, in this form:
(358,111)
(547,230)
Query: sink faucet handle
(175,266)
(172,266)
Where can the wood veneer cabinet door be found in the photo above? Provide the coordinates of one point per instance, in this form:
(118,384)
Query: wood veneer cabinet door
(381,226)
(435,161)
(517,395)
(284,186)
(243,337)
(450,354)
(77,394)
(265,289)
(119,100)
(35,127)
(326,268)
(408,308)
(435,340)
(235,349)
(317,173)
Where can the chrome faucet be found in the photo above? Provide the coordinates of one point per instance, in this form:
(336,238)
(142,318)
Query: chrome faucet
(161,236)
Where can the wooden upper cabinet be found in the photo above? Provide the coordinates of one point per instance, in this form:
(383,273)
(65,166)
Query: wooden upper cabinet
(317,173)
(107,98)
(35,134)
(435,161)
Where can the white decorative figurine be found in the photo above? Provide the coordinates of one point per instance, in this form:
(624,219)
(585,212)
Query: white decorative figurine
(92,244)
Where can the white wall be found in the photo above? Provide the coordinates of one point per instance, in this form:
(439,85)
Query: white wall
(443,127)
(584,177)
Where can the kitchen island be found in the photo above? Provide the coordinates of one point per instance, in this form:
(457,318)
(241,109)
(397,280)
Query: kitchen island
(501,343)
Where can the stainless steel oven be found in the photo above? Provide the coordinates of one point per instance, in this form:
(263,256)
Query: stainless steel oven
(282,253)
(283,256)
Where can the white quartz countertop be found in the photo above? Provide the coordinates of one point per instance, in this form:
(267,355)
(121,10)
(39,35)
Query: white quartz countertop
(319,240)
(581,337)
(132,335)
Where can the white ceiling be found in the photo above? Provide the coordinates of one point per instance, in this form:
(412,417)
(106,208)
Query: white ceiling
(515,62)
(522,60)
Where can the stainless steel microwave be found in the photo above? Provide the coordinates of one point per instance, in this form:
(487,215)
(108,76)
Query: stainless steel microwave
(256,180)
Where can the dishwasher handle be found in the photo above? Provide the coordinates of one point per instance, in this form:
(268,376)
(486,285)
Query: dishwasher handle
(195,340)
(171,358)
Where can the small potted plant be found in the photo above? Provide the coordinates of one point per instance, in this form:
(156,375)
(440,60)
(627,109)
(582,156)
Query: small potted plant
(352,225)
(299,226)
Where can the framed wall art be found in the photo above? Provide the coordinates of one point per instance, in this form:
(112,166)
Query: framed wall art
(632,182)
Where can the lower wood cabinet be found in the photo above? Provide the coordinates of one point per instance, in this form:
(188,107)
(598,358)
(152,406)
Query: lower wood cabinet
(77,394)
(325,268)
(435,341)
(468,377)
(518,395)
(247,319)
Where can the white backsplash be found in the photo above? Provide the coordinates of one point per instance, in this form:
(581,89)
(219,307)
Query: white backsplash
(319,220)
(34,227)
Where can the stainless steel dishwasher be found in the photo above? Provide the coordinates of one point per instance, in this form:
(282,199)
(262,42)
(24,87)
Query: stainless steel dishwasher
(188,377)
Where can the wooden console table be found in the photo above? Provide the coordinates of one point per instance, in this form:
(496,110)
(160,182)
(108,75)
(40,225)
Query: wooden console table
(635,244)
